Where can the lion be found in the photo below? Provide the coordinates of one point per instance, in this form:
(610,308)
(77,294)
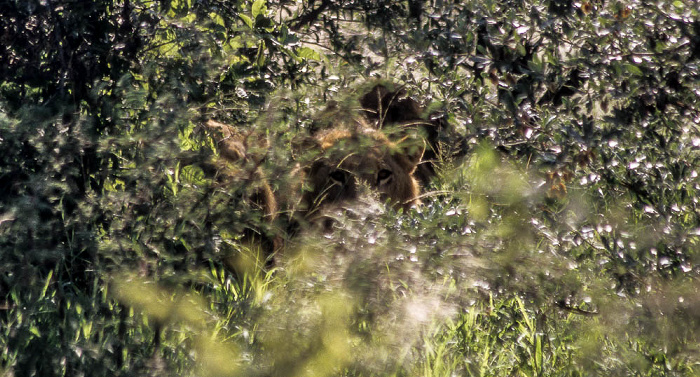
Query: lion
(236,163)
(239,166)
(337,167)
(388,109)
(356,161)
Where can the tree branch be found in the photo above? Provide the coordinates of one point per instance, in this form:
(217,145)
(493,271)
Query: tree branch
(310,17)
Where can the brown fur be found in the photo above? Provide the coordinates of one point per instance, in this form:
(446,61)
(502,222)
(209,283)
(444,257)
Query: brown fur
(354,157)
(351,160)
(385,108)
(241,155)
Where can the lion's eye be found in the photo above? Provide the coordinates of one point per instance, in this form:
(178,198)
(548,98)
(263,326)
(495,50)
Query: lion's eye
(383,176)
(338,176)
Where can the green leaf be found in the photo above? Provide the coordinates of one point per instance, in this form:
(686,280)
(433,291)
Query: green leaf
(258,8)
(260,60)
(46,284)
(217,19)
(633,69)
(193,175)
(248,21)
(308,53)
(34,330)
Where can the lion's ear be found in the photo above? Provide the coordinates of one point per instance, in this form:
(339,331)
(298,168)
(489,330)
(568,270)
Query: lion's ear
(386,106)
(372,102)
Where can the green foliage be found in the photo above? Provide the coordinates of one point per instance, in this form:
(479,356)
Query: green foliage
(559,238)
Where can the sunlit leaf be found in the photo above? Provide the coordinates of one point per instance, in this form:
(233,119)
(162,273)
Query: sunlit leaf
(258,8)
(248,21)
(308,53)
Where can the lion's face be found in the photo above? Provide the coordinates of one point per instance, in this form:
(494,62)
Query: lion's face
(357,163)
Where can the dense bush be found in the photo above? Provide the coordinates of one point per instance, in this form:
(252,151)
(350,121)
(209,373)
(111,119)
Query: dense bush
(560,237)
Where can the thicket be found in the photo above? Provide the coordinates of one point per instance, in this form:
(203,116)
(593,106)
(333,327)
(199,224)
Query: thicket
(561,236)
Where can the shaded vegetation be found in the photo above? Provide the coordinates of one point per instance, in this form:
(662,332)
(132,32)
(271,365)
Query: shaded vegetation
(560,235)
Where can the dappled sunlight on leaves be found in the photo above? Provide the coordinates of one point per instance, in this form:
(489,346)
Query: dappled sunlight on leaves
(559,235)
